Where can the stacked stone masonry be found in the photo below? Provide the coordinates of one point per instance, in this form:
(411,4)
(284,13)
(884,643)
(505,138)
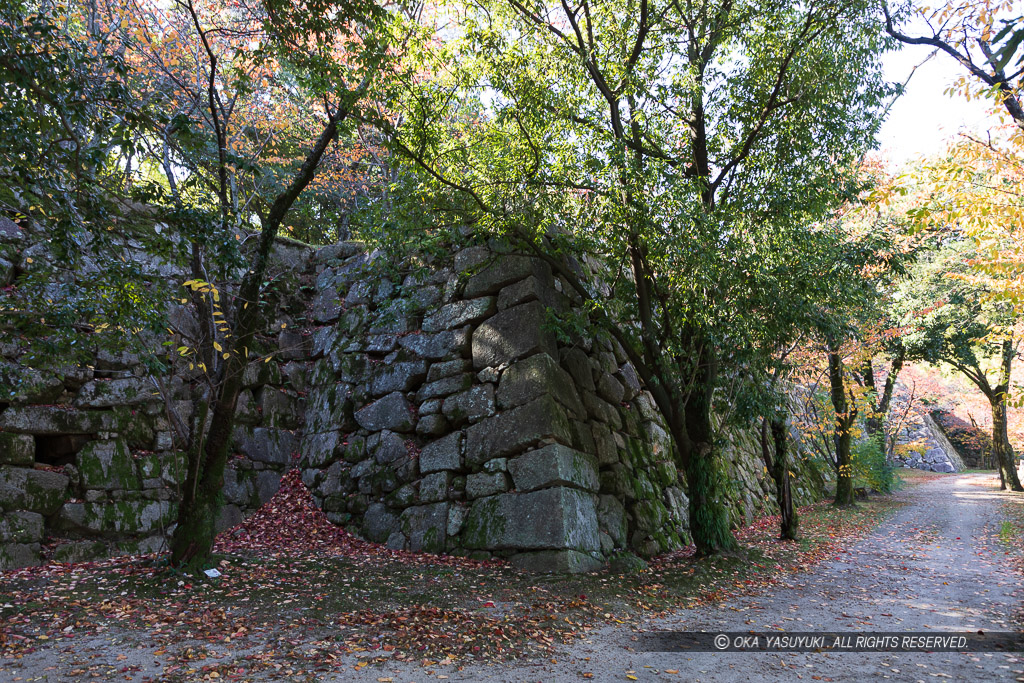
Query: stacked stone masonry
(430,406)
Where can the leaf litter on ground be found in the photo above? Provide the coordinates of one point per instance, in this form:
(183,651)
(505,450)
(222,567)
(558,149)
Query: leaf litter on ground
(300,595)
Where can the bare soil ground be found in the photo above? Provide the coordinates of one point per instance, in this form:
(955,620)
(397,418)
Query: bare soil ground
(944,554)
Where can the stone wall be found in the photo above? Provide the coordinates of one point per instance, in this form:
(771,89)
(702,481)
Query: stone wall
(444,414)
(431,406)
(87,464)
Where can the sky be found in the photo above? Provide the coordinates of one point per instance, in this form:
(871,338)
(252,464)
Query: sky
(924,119)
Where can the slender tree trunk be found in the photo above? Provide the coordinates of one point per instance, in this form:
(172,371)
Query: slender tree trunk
(778,468)
(194,535)
(874,424)
(790,525)
(1001,447)
(845,415)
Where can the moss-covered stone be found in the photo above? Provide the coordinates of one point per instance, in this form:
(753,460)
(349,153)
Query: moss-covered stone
(107,465)
(16,449)
(39,491)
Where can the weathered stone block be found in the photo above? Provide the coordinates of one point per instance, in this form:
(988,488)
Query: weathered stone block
(630,382)
(470,257)
(247,411)
(426,526)
(610,389)
(472,405)
(443,454)
(445,386)
(126,516)
(432,425)
(116,392)
(23,384)
(392,412)
(558,561)
(17,449)
(496,465)
(611,516)
(456,518)
(513,431)
(40,491)
(79,551)
(486,484)
(259,374)
(448,368)
(293,345)
(320,449)
(328,407)
(397,377)
(459,313)
(555,518)
(274,446)
(324,339)
(107,465)
(326,306)
(387,447)
(537,376)
(576,362)
(47,420)
(267,484)
(434,487)
(228,516)
(379,523)
(21,526)
(504,270)
(554,465)
(450,343)
(280,410)
(239,487)
(402,497)
(18,555)
(296,376)
(530,289)
(512,334)
(602,410)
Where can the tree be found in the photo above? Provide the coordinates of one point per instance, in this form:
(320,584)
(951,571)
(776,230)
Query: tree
(223,348)
(200,147)
(670,141)
(956,322)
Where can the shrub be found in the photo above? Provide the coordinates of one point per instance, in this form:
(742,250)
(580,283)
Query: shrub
(871,469)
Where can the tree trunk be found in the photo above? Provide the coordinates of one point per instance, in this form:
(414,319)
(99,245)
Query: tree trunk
(709,514)
(790,524)
(200,504)
(845,415)
(778,468)
(1001,447)
(874,424)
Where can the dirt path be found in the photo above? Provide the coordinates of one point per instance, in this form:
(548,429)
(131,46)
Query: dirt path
(939,565)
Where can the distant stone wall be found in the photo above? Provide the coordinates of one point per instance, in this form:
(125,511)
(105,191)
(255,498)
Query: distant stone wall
(429,405)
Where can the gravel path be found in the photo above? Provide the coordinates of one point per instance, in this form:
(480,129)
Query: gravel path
(938,565)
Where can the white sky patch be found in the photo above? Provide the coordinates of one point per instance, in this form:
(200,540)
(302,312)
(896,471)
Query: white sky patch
(924,120)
